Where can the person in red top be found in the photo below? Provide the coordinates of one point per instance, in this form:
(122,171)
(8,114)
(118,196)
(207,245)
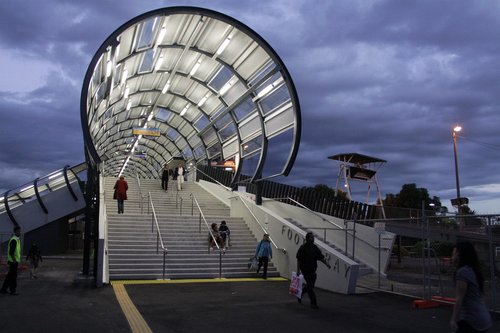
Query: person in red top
(120,195)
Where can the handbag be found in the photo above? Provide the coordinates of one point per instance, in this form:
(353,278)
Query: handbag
(114,194)
(296,283)
(253,263)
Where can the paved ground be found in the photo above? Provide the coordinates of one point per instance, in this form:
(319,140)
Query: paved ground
(54,303)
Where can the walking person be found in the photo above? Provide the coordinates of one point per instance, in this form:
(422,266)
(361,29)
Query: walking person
(179,173)
(307,257)
(120,195)
(469,311)
(263,252)
(13,260)
(34,257)
(164,177)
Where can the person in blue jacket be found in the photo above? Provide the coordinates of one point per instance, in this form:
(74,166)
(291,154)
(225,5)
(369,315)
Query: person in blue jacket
(263,252)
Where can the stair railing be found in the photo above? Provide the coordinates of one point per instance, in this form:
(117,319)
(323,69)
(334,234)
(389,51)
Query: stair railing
(202,218)
(159,239)
(178,202)
(142,197)
(335,225)
(249,210)
(260,224)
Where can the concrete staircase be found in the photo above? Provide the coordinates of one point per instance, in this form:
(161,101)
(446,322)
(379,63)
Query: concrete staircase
(133,246)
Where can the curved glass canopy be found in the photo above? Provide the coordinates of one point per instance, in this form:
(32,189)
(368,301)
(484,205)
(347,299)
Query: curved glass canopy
(191,84)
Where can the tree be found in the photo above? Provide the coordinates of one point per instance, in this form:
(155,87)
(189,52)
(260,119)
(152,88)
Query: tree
(411,196)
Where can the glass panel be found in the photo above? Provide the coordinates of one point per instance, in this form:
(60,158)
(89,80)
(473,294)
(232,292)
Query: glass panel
(172,134)
(278,154)
(118,75)
(214,150)
(163,114)
(201,123)
(147,34)
(282,120)
(199,151)
(147,62)
(249,165)
(188,153)
(244,109)
(221,78)
(272,101)
(251,146)
(227,132)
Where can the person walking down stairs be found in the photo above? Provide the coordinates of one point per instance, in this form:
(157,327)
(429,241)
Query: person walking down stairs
(263,252)
(179,174)
(121,187)
(164,177)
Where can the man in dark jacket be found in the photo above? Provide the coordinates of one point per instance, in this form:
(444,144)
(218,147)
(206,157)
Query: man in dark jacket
(307,257)
(13,260)
(164,177)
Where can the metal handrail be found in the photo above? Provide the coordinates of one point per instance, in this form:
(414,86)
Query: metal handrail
(159,239)
(177,197)
(202,216)
(249,210)
(260,225)
(309,210)
(141,202)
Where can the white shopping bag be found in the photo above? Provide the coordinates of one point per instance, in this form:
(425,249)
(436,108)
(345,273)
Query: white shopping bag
(296,285)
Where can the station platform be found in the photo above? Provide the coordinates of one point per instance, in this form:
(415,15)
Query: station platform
(55,303)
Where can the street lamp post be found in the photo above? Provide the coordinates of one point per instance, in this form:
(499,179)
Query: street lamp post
(457,129)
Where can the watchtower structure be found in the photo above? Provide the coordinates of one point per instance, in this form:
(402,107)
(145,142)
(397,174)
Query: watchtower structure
(359,168)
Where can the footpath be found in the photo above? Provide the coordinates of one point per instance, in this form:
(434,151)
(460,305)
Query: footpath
(55,303)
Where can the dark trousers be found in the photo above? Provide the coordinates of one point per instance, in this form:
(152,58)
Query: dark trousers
(309,287)
(263,261)
(120,206)
(10,281)
(464,327)
(164,183)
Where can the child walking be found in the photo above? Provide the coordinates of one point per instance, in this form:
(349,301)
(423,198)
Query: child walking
(34,256)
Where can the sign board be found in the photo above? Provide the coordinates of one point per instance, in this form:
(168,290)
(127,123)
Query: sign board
(379,227)
(459,201)
(146,131)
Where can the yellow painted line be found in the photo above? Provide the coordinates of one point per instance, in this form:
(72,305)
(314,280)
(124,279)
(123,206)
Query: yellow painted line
(135,320)
(184,281)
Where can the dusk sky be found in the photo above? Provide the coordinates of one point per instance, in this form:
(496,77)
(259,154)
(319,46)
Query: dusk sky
(388,79)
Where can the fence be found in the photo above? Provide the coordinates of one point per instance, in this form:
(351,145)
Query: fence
(318,202)
(421,266)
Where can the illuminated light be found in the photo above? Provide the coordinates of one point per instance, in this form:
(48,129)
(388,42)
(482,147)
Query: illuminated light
(150,117)
(55,175)
(138,138)
(203,100)
(226,87)
(223,46)
(457,128)
(124,75)
(159,62)
(166,87)
(127,91)
(195,68)
(1,199)
(26,188)
(162,33)
(270,87)
(183,112)
(109,66)
(129,105)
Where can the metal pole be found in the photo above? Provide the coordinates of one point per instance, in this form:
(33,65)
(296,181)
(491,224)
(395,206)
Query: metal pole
(379,261)
(492,266)
(459,207)
(164,254)
(220,264)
